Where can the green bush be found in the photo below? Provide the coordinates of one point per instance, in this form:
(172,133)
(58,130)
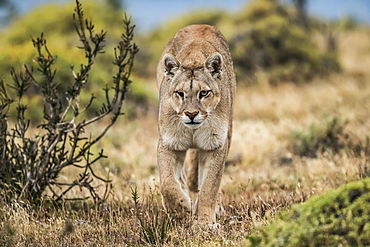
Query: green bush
(269,39)
(319,138)
(337,218)
(347,23)
(54,19)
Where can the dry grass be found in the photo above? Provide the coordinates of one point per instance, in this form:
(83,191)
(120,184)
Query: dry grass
(263,177)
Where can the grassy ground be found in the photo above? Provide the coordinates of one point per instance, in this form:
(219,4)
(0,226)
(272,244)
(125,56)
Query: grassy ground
(263,175)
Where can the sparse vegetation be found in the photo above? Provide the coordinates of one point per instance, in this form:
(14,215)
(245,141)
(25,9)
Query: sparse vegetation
(267,175)
(31,164)
(154,223)
(329,138)
(322,137)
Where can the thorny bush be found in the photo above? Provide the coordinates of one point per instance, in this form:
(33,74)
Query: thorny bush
(31,164)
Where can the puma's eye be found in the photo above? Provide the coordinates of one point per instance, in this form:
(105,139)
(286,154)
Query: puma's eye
(181,94)
(204,93)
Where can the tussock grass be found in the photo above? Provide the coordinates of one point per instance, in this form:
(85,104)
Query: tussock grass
(264,178)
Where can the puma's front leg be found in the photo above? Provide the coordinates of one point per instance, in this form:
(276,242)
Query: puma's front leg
(211,168)
(174,190)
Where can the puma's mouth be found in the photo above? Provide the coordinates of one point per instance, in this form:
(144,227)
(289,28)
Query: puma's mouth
(192,124)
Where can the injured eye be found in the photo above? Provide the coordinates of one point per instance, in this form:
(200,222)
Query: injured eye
(204,93)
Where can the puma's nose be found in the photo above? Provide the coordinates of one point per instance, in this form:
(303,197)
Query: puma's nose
(192,115)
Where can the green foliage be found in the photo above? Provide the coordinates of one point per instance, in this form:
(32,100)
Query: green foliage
(154,42)
(319,138)
(329,137)
(271,40)
(262,9)
(58,23)
(357,147)
(336,218)
(54,20)
(140,98)
(347,23)
(30,165)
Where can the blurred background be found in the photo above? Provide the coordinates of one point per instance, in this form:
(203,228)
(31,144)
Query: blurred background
(271,41)
(149,14)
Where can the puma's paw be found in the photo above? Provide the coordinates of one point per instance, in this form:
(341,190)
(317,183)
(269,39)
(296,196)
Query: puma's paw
(184,204)
(206,227)
(178,206)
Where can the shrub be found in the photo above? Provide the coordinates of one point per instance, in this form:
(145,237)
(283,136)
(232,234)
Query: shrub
(355,146)
(329,137)
(319,138)
(54,20)
(31,164)
(272,41)
(57,22)
(337,218)
(347,23)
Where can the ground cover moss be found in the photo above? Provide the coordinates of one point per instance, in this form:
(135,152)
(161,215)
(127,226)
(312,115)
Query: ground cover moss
(337,218)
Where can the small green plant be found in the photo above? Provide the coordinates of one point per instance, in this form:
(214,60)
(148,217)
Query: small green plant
(31,164)
(336,218)
(319,138)
(155,223)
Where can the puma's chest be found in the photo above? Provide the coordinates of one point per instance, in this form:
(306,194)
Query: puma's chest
(210,136)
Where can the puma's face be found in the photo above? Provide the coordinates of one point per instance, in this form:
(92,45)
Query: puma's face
(194,93)
(193,99)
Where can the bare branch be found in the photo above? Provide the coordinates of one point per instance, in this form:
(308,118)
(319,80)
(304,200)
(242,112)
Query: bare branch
(32,165)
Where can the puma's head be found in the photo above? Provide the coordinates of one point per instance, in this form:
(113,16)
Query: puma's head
(193,92)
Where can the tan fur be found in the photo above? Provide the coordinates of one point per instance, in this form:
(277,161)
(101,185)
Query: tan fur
(197,87)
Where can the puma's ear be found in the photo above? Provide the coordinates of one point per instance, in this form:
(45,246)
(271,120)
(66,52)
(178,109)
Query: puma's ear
(170,64)
(214,63)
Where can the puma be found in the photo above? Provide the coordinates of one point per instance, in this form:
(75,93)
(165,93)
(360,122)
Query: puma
(197,85)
